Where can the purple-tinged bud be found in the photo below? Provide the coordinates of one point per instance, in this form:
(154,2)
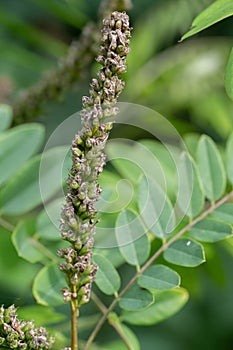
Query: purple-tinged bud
(101,75)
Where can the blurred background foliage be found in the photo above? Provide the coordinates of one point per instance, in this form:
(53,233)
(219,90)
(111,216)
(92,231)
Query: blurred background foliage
(182,81)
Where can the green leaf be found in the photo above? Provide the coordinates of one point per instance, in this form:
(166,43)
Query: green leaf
(105,231)
(132,160)
(210,165)
(23,192)
(159,277)
(229,76)
(166,304)
(112,254)
(193,202)
(132,241)
(48,221)
(185,252)
(229,160)
(54,168)
(136,298)
(155,208)
(17,145)
(5,117)
(47,286)
(12,267)
(210,231)
(107,277)
(113,345)
(214,13)
(224,213)
(124,158)
(116,195)
(166,157)
(191,141)
(129,338)
(24,242)
(41,315)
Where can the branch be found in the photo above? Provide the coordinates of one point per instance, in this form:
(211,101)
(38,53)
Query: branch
(30,102)
(42,248)
(104,311)
(150,261)
(7,225)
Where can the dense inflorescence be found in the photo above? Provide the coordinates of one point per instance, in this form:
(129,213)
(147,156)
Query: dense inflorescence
(79,215)
(19,334)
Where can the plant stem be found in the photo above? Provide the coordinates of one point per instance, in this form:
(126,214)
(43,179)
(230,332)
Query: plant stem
(78,215)
(115,325)
(150,261)
(43,249)
(7,225)
(98,303)
(74,322)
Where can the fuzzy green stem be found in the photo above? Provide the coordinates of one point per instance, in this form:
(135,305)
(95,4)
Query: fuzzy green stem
(99,325)
(74,322)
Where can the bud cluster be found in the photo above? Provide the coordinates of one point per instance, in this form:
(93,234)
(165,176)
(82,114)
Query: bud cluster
(78,215)
(19,334)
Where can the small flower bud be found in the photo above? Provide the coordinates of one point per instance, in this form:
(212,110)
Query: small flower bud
(74,184)
(101,75)
(84,300)
(78,245)
(104,37)
(118,24)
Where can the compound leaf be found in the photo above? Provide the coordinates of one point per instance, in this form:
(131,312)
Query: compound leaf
(214,13)
(185,252)
(107,277)
(17,145)
(210,165)
(159,277)
(48,284)
(129,338)
(136,298)
(193,202)
(132,241)
(210,231)
(48,221)
(166,304)
(224,213)
(31,187)
(25,243)
(155,208)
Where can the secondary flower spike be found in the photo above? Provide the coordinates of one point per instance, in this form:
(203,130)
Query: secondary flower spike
(88,158)
(19,334)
